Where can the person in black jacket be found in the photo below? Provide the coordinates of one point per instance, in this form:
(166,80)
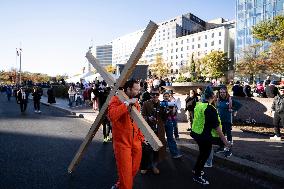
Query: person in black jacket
(50,95)
(22,99)
(190,101)
(37,93)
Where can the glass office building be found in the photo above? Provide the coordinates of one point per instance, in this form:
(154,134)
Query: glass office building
(250,13)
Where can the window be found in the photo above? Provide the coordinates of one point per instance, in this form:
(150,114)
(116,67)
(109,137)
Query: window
(172,50)
(181,49)
(181,56)
(176,56)
(176,63)
(176,49)
(187,40)
(205,45)
(187,48)
(220,42)
(172,71)
(192,39)
(212,43)
(220,33)
(181,42)
(205,37)
(176,43)
(171,57)
(198,45)
(212,35)
(192,46)
(176,70)
(198,38)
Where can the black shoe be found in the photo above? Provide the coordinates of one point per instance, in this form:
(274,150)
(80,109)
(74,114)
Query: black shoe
(228,152)
(188,129)
(200,180)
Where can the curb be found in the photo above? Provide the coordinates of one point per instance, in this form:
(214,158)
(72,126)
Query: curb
(243,165)
(79,115)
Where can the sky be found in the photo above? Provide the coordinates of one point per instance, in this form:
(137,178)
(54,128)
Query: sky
(55,34)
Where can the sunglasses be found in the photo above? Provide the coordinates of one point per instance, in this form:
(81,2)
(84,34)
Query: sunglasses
(155,94)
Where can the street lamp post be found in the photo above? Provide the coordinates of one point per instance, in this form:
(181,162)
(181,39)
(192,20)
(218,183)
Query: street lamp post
(19,53)
(20,66)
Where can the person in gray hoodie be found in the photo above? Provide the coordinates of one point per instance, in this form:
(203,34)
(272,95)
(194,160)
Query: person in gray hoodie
(278,108)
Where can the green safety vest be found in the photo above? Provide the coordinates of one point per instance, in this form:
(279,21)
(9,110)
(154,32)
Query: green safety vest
(199,119)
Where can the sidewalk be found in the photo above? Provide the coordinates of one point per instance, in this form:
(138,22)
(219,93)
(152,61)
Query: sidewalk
(252,153)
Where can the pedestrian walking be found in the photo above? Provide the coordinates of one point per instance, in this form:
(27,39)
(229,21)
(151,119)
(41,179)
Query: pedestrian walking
(155,115)
(171,112)
(94,97)
(206,128)
(127,137)
(71,93)
(174,118)
(278,119)
(103,93)
(226,108)
(36,98)
(190,103)
(22,98)
(9,92)
(50,95)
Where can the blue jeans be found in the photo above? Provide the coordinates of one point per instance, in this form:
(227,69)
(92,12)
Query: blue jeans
(71,100)
(227,130)
(175,128)
(169,127)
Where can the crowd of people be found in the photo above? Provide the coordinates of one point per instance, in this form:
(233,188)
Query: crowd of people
(210,117)
(265,89)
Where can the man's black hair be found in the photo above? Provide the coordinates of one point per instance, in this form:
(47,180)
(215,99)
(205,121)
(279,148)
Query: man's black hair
(129,84)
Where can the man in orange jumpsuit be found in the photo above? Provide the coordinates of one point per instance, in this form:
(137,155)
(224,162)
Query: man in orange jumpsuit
(127,137)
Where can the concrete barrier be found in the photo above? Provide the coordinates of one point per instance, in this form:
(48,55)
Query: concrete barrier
(252,108)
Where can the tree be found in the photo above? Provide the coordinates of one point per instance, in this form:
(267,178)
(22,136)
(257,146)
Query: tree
(215,64)
(252,62)
(110,69)
(192,65)
(276,61)
(271,30)
(159,67)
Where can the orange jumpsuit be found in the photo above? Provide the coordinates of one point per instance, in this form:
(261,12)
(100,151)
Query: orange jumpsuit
(127,140)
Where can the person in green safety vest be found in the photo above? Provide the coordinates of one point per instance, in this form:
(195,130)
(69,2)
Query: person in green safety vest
(206,130)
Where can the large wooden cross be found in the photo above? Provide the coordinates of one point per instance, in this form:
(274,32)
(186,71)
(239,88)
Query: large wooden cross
(150,136)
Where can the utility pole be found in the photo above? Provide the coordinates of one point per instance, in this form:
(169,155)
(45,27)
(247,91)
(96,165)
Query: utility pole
(19,53)
(20,66)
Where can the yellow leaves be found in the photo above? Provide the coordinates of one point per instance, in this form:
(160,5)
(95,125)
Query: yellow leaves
(110,68)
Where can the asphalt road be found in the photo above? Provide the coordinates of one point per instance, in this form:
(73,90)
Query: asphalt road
(36,149)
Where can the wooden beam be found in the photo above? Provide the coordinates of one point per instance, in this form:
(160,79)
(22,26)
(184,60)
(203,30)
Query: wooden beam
(137,53)
(92,132)
(128,69)
(96,64)
(148,133)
